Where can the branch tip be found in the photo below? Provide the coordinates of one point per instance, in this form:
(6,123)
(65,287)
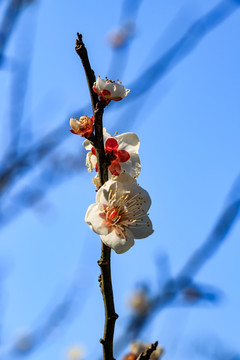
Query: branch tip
(147,353)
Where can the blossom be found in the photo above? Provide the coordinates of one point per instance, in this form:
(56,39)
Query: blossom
(75,353)
(109,90)
(120,213)
(139,302)
(83,126)
(121,152)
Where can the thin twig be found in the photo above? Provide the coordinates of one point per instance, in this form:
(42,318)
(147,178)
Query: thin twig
(147,353)
(90,75)
(104,262)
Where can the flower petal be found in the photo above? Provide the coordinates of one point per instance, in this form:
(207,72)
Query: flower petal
(91,161)
(118,244)
(106,93)
(125,178)
(103,193)
(123,156)
(141,232)
(128,141)
(111,144)
(132,166)
(146,200)
(87,145)
(95,221)
(109,89)
(115,169)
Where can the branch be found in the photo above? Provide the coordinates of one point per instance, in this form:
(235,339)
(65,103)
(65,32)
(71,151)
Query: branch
(90,75)
(9,21)
(104,262)
(148,352)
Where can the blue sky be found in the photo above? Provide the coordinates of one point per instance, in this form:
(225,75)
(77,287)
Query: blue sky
(188,125)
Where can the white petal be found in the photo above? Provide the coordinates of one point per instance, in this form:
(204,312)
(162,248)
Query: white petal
(75,125)
(87,144)
(103,192)
(146,202)
(106,135)
(116,90)
(95,222)
(132,166)
(125,178)
(96,181)
(91,161)
(141,232)
(128,141)
(118,244)
(100,84)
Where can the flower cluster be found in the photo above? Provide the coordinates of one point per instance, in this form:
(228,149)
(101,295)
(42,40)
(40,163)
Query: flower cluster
(121,152)
(120,213)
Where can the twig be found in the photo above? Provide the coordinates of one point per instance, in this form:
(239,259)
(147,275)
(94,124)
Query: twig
(147,353)
(104,262)
(90,75)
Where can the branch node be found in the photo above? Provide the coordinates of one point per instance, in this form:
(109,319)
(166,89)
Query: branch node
(102,263)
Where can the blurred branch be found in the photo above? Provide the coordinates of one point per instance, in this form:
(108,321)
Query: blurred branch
(184,279)
(9,21)
(50,321)
(32,155)
(183,47)
(167,62)
(58,169)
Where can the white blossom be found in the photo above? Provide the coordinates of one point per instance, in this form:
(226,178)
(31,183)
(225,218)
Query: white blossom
(139,302)
(120,213)
(121,151)
(109,90)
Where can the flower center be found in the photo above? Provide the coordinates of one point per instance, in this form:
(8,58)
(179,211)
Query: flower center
(110,155)
(125,211)
(112,214)
(83,122)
